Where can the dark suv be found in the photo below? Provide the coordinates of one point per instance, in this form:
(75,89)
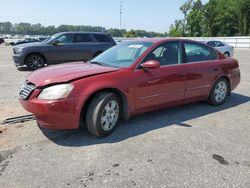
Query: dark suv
(62,47)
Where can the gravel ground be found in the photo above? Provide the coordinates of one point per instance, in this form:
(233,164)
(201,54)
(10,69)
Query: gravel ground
(195,145)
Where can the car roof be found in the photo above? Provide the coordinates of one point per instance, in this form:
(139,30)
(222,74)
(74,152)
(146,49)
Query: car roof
(83,32)
(160,40)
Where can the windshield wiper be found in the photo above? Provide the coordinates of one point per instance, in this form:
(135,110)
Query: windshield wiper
(99,63)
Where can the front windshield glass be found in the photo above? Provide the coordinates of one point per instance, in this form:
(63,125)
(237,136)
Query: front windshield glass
(122,55)
(53,37)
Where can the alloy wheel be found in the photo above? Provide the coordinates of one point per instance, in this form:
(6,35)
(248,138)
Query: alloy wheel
(35,62)
(110,115)
(220,91)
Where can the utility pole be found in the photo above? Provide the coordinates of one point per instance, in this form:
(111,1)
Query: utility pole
(121,15)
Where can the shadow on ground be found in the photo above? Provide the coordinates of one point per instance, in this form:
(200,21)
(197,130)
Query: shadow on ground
(144,123)
(24,69)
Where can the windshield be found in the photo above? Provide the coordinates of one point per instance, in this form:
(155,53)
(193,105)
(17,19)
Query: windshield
(49,39)
(122,55)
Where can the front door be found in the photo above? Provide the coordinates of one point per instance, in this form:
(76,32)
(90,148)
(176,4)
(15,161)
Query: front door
(158,87)
(63,51)
(83,46)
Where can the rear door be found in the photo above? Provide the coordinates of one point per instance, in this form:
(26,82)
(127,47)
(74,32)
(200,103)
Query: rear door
(158,87)
(202,68)
(83,46)
(102,42)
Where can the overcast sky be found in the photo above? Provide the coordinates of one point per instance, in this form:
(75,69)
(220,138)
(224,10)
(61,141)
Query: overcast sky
(151,15)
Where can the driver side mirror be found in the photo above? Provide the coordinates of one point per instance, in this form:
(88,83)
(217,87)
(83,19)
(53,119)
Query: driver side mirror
(151,64)
(56,42)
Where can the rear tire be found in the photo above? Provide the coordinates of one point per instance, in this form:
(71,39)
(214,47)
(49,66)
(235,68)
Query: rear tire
(35,61)
(103,114)
(219,92)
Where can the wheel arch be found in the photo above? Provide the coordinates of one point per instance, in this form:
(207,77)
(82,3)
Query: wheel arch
(35,53)
(120,94)
(227,78)
(227,52)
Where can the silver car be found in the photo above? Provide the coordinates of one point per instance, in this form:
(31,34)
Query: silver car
(224,48)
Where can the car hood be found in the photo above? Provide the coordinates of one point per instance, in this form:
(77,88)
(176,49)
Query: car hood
(66,73)
(31,44)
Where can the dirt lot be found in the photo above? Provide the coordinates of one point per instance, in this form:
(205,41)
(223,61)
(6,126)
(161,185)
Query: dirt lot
(195,145)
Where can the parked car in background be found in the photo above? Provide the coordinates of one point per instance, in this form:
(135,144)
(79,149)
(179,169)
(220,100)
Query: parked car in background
(42,38)
(128,79)
(223,47)
(62,47)
(24,41)
(1,40)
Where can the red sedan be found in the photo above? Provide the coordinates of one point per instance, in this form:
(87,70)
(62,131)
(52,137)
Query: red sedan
(130,78)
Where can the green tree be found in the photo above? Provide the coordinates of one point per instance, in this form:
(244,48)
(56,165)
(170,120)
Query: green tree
(176,29)
(142,33)
(195,20)
(6,28)
(117,32)
(223,17)
(244,12)
(185,8)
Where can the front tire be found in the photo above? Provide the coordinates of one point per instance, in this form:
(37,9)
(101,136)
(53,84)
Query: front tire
(103,114)
(35,61)
(219,92)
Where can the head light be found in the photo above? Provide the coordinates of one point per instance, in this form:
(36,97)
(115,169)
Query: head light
(18,50)
(56,92)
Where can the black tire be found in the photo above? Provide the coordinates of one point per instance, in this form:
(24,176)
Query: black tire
(227,54)
(35,61)
(213,97)
(96,110)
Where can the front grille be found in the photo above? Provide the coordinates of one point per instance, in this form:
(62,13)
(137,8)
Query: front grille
(26,90)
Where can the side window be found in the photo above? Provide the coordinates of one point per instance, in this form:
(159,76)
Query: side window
(211,43)
(67,38)
(82,38)
(167,54)
(198,52)
(101,38)
(219,44)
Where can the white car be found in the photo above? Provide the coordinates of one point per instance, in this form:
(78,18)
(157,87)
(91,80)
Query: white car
(224,48)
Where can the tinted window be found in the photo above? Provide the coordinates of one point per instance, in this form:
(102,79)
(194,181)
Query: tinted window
(66,38)
(215,43)
(82,38)
(101,38)
(218,44)
(211,43)
(198,52)
(166,54)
